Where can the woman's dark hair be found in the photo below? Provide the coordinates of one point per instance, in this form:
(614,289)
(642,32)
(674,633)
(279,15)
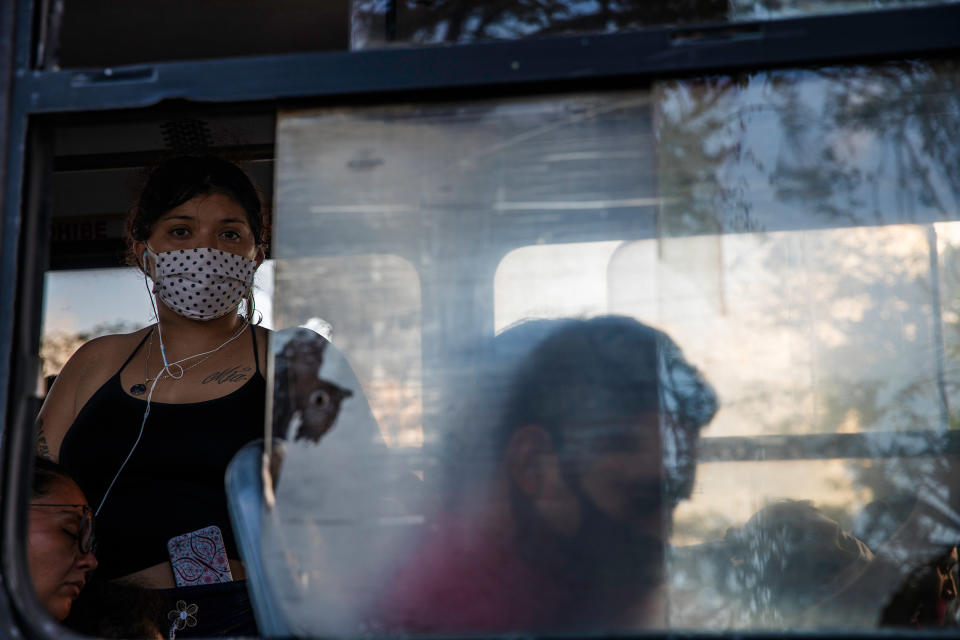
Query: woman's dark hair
(180,179)
(47,473)
(108,610)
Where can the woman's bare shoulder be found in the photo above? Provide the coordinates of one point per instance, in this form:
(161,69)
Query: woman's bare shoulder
(104,350)
(97,359)
(85,372)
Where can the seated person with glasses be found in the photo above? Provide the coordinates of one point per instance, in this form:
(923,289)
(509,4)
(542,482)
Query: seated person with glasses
(60,538)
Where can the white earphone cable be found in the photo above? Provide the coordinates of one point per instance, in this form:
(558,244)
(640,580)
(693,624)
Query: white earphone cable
(166,369)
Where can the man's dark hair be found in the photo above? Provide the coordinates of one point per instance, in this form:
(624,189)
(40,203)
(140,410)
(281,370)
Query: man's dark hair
(573,373)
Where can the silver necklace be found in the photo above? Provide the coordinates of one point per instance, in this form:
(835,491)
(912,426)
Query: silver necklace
(140,388)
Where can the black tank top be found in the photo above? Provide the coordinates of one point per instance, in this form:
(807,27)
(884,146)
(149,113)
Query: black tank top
(174,481)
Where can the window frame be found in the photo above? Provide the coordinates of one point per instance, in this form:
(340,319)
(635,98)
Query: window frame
(31,95)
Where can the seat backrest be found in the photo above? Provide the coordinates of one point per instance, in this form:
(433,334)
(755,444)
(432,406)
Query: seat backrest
(245,499)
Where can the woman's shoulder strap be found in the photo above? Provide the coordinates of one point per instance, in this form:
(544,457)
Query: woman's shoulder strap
(256,348)
(134,352)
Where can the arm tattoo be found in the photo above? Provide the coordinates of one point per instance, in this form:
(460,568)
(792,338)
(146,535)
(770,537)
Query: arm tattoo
(43,449)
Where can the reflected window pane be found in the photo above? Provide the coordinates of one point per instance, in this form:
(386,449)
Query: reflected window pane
(382,334)
(683,357)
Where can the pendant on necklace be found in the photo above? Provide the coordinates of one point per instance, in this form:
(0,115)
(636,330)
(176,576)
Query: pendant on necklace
(138,389)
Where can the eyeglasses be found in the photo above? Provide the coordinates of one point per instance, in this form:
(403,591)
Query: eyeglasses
(85,537)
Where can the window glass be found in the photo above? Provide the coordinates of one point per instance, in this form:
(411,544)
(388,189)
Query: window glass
(862,356)
(377,23)
(328,294)
(155,31)
(677,357)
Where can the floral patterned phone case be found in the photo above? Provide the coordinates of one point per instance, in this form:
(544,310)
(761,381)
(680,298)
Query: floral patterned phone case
(198,557)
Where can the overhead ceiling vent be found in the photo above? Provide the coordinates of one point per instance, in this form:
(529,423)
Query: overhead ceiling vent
(187,136)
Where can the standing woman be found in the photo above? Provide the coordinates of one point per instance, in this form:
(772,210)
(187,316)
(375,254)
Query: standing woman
(147,421)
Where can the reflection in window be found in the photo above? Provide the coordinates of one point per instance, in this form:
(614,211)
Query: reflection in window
(832,330)
(552,281)
(369,306)
(770,9)
(751,278)
(376,23)
(457,21)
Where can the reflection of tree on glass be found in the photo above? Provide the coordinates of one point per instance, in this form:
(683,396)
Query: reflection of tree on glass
(581,440)
(428,21)
(822,152)
(807,149)
(56,347)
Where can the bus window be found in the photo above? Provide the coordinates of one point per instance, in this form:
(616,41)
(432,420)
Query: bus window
(734,298)
(682,357)
(99,165)
(91,180)
(80,304)
(377,23)
(552,281)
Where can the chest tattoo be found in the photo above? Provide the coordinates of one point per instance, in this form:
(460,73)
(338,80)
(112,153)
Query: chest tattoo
(231,374)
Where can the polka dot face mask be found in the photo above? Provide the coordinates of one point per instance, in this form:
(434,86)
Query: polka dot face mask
(202,284)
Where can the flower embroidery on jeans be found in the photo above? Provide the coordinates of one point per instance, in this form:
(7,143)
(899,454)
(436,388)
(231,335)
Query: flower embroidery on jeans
(181,617)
